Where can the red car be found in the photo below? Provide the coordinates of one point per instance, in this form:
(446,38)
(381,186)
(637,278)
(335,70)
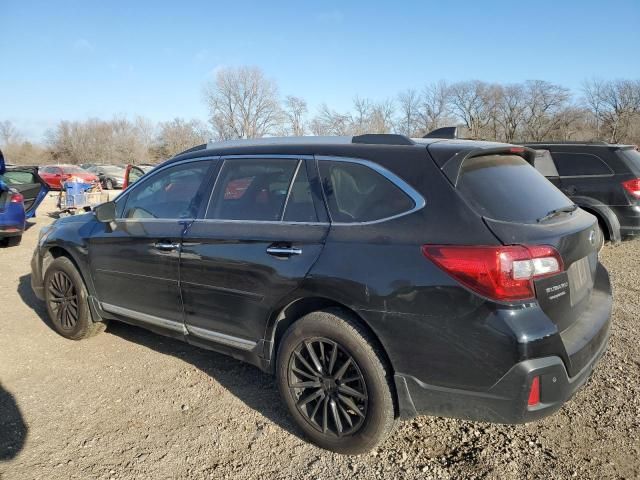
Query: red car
(56,175)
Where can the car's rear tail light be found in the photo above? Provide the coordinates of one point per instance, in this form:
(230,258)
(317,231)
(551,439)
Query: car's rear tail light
(534,392)
(503,273)
(633,187)
(16,198)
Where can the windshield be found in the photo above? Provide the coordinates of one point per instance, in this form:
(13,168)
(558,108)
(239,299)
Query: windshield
(507,188)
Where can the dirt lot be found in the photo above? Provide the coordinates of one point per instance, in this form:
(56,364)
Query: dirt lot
(132,404)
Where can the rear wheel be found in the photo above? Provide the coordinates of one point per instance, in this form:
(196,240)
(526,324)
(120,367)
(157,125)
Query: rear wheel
(67,304)
(335,383)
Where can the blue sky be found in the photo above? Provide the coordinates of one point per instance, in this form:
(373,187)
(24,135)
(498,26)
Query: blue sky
(76,59)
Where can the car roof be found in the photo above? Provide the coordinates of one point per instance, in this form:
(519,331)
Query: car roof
(357,146)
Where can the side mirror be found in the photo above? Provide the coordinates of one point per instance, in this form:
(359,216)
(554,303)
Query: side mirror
(106,212)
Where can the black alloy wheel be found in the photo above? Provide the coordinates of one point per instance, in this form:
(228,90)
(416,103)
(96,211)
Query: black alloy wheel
(67,301)
(63,301)
(328,385)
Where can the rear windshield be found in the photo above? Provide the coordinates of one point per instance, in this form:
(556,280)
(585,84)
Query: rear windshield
(632,159)
(507,188)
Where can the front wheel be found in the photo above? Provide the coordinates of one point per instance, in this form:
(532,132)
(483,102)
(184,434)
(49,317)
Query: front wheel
(67,304)
(108,184)
(335,383)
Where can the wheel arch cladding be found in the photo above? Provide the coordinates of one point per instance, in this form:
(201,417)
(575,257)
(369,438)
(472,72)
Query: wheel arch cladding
(280,322)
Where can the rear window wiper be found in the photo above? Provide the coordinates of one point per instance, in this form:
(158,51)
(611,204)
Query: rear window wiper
(558,211)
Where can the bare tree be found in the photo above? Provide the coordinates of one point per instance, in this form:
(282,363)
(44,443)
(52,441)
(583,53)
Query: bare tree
(8,133)
(381,117)
(511,108)
(469,101)
(330,122)
(593,91)
(295,111)
(545,102)
(409,120)
(615,105)
(179,135)
(435,106)
(242,103)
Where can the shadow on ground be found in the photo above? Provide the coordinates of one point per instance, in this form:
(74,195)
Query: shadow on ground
(255,388)
(13,430)
(29,298)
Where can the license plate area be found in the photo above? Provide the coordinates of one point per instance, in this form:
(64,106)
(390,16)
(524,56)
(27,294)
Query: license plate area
(580,280)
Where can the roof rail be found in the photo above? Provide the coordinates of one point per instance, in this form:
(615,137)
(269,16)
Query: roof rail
(444,132)
(382,139)
(369,138)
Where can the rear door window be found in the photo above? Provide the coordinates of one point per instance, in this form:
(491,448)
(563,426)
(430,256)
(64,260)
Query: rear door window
(357,193)
(252,189)
(507,188)
(299,205)
(580,164)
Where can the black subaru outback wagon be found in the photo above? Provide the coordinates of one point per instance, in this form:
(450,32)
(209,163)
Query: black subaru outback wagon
(601,178)
(378,277)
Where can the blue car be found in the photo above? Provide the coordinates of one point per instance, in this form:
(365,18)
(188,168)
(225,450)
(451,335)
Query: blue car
(21,191)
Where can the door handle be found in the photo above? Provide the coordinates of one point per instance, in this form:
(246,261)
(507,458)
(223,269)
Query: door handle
(280,251)
(166,246)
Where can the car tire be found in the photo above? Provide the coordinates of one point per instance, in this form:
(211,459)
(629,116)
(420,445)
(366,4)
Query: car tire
(360,396)
(14,241)
(67,303)
(108,184)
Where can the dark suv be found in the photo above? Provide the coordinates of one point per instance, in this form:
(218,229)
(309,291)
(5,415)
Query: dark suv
(377,276)
(601,178)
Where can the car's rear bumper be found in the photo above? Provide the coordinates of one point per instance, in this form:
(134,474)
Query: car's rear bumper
(11,230)
(560,373)
(629,218)
(506,401)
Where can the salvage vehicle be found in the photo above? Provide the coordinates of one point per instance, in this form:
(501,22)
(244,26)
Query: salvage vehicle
(110,176)
(601,178)
(56,175)
(377,276)
(21,191)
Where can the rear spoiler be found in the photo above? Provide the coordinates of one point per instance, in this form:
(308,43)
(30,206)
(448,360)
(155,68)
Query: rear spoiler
(453,166)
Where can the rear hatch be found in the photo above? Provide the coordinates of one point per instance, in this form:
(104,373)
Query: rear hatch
(521,207)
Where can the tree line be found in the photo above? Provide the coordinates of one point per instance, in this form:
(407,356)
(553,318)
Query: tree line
(244,103)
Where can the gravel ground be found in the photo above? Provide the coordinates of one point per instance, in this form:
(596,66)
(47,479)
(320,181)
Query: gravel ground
(132,404)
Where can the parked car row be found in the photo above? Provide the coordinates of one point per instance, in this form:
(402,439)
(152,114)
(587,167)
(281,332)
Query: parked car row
(110,177)
(377,276)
